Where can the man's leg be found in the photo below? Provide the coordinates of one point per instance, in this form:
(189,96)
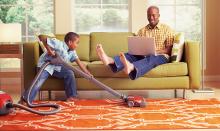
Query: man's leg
(103,56)
(115,63)
(140,67)
(69,81)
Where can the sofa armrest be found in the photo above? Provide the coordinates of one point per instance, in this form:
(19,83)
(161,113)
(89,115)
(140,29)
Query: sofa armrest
(192,58)
(30,58)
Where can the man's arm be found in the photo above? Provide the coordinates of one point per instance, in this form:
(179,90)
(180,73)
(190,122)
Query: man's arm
(43,38)
(168,43)
(167,50)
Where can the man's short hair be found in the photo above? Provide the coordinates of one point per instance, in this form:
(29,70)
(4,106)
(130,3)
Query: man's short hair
(153,7)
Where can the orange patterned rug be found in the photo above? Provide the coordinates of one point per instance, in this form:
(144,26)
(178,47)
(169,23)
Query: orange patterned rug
(113,114)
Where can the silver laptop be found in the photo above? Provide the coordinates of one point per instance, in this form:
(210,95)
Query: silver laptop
(141,45)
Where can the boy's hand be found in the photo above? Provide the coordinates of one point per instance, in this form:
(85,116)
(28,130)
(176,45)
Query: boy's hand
(89,74)
(51,53)
(43,38)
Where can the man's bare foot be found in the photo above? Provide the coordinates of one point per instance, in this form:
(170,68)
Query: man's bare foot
(102,55)
(128,67)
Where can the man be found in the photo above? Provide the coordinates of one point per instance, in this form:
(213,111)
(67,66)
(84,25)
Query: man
(136,66)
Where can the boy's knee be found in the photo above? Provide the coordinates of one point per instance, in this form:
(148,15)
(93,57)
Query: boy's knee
(69,73)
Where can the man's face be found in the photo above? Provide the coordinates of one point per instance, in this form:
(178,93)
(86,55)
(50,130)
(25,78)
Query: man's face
(153,17)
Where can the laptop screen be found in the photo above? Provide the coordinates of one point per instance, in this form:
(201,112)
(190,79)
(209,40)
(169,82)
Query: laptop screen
(141,45)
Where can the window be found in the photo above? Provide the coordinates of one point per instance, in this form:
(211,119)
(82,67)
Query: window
(100,15)
(36,16)
(182,15)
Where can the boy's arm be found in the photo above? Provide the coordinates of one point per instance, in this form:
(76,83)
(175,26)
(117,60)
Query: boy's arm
(82,67)
(43,38)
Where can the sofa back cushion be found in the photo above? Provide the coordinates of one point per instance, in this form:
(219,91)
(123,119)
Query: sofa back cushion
(83,47)
(112,43)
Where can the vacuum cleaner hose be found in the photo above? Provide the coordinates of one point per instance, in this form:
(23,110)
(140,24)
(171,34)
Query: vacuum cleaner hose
(50,112)
(56,107)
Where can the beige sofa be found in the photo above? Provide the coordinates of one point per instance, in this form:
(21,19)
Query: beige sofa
(180,75)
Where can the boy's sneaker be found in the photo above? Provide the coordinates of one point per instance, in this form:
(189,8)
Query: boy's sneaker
(70,99)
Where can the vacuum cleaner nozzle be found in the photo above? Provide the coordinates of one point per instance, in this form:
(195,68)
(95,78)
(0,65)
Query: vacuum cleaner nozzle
(135,101)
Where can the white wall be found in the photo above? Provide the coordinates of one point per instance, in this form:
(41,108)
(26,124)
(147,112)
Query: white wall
(64,19)
(138,12)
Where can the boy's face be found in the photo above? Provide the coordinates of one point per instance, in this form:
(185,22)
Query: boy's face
(72,44)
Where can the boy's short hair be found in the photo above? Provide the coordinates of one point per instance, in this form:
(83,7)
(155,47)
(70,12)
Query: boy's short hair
(70,36)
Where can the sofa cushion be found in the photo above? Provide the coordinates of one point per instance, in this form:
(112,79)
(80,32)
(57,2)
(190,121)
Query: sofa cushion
(170,69)
(100,70)
(83,47)
(112,43)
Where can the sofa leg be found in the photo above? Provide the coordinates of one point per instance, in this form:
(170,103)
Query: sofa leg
(184,93)
(40,95)
(49,94)
(175,93)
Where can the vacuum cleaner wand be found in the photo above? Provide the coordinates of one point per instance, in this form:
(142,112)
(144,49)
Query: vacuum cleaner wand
(131,101)
(59,60)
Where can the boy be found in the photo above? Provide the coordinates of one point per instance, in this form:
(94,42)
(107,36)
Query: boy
(65,50)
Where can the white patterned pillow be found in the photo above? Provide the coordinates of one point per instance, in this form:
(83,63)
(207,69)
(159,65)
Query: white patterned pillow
(178,46)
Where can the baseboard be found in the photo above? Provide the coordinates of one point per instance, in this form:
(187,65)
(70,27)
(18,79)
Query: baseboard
(102,94)
(212,78)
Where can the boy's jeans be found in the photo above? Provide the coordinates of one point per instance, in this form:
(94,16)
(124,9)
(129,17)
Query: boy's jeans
(142,64)
(65,74)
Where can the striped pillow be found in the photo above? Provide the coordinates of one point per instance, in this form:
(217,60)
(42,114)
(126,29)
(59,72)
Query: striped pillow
(178,46)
